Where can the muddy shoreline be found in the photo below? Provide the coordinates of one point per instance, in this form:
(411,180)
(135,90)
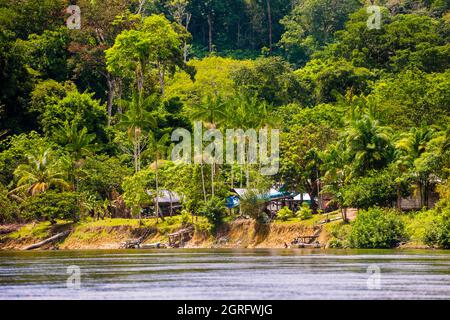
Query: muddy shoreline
(238,234)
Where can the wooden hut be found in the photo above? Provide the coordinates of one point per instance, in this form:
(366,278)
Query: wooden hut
(169,202)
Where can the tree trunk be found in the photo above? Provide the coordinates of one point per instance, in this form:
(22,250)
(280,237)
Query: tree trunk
(247,176)
(111,92)
(186,47)
(203,182)
(269,18)
(399,197)
(49,240)
(212,180)
(157,190)
(171,203)
(161,74)
(138,155)
(210,42)
(344,214)
(232,177)
(120,87)
(140,79)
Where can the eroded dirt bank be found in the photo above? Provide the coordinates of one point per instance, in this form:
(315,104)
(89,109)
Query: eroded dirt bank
(237,234)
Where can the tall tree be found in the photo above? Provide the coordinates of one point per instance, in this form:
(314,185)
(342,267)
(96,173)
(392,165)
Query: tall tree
(368,143)
(212,112)
(155,45)
(312,24)
(137,120)
(179,9)
(102,21)
(158,148)
(412,146)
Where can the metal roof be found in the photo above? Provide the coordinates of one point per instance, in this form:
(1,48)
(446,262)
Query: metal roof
(166,196)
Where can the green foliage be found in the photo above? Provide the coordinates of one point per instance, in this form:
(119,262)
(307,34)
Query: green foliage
(102,176)
(253,205)
(14,152)
(214,211)
(311,24)
(135,190)
(437,230)
(377,228)
(270,79)
(301,147)
(47,53)
(403,41)
(340,233)
(48,92)
(304,213)
(9,209)
(368,143)
(285,214)
(186,217)
(327,80)
(35,16)
(364,118)
(40,174)
(79,109)
(213,77)
(413,98)
(155,46)
(437,233)
(51,206)
(377,188)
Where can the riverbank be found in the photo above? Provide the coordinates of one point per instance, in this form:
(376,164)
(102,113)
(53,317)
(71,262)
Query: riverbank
(110,234)
(241,233)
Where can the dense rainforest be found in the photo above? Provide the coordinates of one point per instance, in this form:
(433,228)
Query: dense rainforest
(86,114)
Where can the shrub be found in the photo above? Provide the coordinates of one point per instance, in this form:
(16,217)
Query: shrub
(204,226)
(375,189)
(340,233)
(437,233)
(214,211)
(253,205)
(305,212)
(417,224)
(376,228)
(285,214)
(186,217)
(8,208)
(51,206)
(335,243)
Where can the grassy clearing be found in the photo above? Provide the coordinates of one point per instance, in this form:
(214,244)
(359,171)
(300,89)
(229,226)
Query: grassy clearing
(38,231)
(309,222)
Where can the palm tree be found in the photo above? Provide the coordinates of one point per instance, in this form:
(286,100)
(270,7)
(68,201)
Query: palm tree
(245,112)
(338,173)
(368,143)
(39,174)
(212,112)
(137,120)
(79,144)
(158,148)
(410,147)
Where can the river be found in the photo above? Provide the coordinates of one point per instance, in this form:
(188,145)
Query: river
(226,274)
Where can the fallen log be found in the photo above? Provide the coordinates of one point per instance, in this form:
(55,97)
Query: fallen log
(46,241)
